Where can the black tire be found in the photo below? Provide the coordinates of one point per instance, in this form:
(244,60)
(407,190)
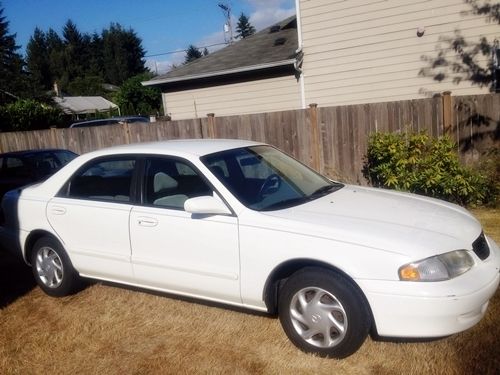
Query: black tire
(323,312)
(52,268)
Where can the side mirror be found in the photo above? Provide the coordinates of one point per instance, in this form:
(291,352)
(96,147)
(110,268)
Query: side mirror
(206,205)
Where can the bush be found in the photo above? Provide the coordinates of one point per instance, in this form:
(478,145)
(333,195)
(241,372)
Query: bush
(420,164)
(489,165)
(135,99)
(28,115)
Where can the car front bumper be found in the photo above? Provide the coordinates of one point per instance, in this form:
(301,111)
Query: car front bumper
(433,309)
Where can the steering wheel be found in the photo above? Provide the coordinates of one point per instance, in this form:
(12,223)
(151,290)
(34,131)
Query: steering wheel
(270,185)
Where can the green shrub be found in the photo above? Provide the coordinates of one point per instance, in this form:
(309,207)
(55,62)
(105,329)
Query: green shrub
(489,166)
(28,115)
(420,164)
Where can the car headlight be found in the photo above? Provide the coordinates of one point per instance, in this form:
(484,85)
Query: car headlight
(437,268)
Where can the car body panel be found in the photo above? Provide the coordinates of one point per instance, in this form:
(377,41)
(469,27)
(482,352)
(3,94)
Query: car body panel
(196,254)
(95,234)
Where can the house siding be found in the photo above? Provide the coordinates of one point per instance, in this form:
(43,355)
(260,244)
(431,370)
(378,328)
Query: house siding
(362,51)
(264,95)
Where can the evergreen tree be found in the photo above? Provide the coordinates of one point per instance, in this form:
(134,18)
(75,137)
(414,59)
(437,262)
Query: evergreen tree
(205,52)
(96,60)
(243,27)
(38,61)
(192,53)
(12,79)
(74,52)
(123,55)
(55,51)
(81,63)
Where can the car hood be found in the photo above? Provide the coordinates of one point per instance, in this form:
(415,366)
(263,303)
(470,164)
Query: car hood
(407,224)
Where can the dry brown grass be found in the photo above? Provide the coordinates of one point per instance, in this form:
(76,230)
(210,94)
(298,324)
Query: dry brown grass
(110,330)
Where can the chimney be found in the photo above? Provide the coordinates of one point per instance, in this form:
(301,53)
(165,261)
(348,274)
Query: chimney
(56,89)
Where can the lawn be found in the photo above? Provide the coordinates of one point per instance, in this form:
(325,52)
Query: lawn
(111,330)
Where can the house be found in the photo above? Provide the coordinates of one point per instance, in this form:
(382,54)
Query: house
(335,53)
(255,74)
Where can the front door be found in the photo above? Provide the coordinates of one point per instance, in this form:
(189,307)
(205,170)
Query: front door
(175,251)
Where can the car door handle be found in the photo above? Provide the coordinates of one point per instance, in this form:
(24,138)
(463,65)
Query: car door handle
(57,210)
(147,221)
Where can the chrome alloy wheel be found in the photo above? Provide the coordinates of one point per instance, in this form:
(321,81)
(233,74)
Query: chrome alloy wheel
(318,317)
(49,267)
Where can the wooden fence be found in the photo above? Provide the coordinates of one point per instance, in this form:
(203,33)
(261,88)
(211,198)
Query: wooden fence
(332,140)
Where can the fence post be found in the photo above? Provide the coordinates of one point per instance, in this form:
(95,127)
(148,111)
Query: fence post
(126,131)
(315,149)
(211,125)
(447,113)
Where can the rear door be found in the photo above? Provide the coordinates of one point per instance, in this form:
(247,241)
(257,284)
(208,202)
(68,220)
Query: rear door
(91,216)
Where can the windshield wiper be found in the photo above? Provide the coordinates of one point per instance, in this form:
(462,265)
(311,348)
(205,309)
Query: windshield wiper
(285,204)
(324,190)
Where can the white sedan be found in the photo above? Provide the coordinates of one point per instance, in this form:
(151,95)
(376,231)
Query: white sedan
(241,223)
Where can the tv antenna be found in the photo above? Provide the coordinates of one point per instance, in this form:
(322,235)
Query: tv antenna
(228,29)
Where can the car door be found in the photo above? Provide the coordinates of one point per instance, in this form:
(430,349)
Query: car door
(176,251)
(91,216)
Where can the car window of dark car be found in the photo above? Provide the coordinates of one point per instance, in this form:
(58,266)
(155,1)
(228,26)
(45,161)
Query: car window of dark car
(170,182)
(13,162)
(103,180)
(65,156)
(16,167)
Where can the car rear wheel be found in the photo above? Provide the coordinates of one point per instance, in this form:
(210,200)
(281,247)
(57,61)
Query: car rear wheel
(323,312)
(52,268)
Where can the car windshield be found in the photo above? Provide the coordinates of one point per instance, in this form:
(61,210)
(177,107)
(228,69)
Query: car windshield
(263,178)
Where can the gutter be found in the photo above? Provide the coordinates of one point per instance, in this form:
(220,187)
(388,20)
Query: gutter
(250,68)
(300,51)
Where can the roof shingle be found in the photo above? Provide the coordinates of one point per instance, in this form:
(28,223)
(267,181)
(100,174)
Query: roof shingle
(277,43)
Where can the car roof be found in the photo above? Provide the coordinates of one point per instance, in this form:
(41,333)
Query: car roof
(109,119)
(34,151)
(192,147)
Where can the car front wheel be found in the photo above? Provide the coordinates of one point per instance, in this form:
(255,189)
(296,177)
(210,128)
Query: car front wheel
(323,312)
(52,268)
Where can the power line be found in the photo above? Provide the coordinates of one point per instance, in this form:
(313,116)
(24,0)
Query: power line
(184,50)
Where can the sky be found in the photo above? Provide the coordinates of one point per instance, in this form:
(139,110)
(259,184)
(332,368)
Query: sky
(163,25)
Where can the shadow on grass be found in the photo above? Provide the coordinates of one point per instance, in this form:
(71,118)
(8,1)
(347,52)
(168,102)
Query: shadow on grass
(16,278)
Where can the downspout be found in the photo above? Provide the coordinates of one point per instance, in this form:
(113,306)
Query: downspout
(299,51)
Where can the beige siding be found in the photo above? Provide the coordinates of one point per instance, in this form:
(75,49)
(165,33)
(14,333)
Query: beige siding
(266,95)
(362,51)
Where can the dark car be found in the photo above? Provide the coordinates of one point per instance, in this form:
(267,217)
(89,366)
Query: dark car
(111,121)
(21,168)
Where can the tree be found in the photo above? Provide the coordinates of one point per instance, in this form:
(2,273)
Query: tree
(460,59)
(123,55)
(74,51)
(12,78)
(243,27)
(38,62)
(205,52)
(55,51)
(192,53)
(81,63)
(135,99)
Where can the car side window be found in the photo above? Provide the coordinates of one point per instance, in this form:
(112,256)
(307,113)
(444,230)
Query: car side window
(104,180)
(15,167)
(170,182)
(64,156)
